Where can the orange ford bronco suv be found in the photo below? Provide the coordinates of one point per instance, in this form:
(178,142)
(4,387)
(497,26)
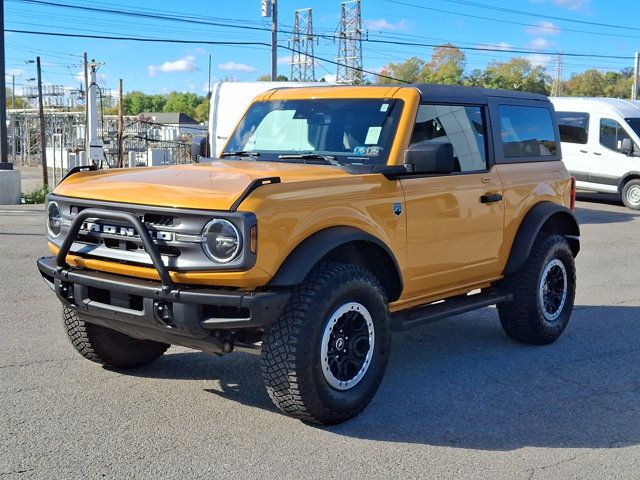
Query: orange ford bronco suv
(335,216)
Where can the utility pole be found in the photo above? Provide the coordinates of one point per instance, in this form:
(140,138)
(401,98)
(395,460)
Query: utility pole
(557,85)
(302,57)
(3,99)
(86,103)
(636,67)
(270,9)
(13,118)
(120,126)
(95,152)
(350,36)
(43,132)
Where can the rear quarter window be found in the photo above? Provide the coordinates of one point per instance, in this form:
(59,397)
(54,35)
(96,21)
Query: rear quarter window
(573,126)
(527,131)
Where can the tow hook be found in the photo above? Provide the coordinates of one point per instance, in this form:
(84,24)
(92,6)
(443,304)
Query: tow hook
(163,312)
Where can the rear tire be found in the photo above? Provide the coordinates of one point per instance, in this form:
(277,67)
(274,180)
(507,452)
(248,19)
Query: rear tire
(324,359)
(543,293)
(108,347)
(631,194)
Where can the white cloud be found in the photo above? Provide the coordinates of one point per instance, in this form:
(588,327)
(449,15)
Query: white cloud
(502,46)
(574,5)
(544,28)
(539,59)
(236,67)
(101,78)
(185,64)
(284,60)
(383,24)
(540,43)
(329,78)
(201,51)
(9,72)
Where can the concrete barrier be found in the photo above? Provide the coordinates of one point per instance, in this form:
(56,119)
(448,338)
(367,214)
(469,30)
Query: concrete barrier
(10,186)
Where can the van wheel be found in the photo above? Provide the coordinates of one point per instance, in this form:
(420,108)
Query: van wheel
(324,359)
(543,293)
(108,347)
(631,194)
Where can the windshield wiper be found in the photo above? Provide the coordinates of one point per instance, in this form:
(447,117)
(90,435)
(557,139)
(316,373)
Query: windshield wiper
(241,153)
(330,159)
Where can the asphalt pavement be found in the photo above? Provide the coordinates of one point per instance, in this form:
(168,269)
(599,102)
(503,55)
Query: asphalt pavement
(459,399)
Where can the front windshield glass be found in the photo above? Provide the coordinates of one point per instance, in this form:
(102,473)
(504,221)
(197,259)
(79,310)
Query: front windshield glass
(349,131)
(635,124)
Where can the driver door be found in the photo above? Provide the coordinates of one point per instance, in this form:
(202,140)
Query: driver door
(455,220)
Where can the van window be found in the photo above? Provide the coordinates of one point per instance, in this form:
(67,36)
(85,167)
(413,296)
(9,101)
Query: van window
(573,126)
(527,131)
(612,134)
(461,126)
(635,124)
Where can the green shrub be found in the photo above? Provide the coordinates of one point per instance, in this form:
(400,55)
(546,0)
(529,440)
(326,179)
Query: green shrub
(36,196)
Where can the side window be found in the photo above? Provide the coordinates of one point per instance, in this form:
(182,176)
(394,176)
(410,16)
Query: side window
(462,127)
(573,126)
(527,131)
(612,134)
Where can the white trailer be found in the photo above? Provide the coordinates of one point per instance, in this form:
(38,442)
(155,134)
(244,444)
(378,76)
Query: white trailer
(229,101)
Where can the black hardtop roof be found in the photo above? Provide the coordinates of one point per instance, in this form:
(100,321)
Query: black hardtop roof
(448,93)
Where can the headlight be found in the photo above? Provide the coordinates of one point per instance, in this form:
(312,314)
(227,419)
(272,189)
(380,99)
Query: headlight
(222,240)
(54,220)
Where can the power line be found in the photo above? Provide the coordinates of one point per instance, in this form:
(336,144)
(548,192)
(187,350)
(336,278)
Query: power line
(540,15)
(191,42)
(510,22)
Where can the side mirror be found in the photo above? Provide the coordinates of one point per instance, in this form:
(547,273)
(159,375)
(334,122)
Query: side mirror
(626,146)
(430,157)
(198,149)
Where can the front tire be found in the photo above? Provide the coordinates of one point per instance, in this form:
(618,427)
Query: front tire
(324,359)
(108,347)
(543,293)
(631,194)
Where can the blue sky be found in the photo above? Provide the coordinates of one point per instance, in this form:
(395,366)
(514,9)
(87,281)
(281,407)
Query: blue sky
(159,67)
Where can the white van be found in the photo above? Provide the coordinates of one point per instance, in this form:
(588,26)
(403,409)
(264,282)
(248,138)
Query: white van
(601,144)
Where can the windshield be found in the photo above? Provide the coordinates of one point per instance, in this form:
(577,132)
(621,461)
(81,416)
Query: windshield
(635,124)
(350,131)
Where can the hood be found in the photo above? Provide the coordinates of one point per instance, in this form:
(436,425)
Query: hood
(209,186)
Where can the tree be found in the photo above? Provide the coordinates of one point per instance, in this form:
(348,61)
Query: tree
(183,102)
(136,102)
(517,74)
(19,101)
(201,112)
(408,71)
(267,78)
(446,66)
(590,83)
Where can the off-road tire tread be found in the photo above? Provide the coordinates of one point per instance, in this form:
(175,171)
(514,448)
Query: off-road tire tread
(518,317)
(88,340)
(278,366)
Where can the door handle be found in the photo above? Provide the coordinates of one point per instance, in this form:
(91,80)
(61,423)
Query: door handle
(584,151)
(491,198)
(597,153)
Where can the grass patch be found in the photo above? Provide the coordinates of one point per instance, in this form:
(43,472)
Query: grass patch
(36,196)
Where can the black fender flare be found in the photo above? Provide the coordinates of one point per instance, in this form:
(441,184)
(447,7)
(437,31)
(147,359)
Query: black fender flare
(543,215)
(313,249)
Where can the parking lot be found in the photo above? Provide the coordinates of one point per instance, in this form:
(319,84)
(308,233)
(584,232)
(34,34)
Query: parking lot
(459,398)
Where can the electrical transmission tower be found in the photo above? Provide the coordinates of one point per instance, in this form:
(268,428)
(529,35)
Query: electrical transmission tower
(556,91)
(350,37)
(302,58)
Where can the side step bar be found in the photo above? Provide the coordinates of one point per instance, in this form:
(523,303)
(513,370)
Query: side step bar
(448,308)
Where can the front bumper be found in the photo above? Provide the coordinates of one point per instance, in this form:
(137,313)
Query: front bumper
(144,309)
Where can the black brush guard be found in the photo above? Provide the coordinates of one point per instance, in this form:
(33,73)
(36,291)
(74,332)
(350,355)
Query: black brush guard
(162,311)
